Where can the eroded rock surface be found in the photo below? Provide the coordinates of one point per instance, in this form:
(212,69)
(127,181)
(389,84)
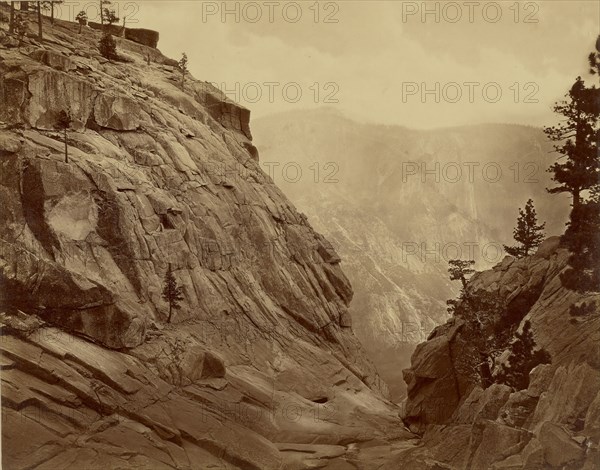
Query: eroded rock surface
(260,362)
(553,423)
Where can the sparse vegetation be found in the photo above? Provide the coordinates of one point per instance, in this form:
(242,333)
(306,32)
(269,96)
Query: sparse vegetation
(172,293)
(82,19)
(183,68)
(523,357)
(49,5)
(108,47)
(109,17)
(527,233)
(20,28)
(577,142)
(459,270)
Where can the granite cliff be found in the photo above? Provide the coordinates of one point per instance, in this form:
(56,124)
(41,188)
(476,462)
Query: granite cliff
(554,422)
(259,368)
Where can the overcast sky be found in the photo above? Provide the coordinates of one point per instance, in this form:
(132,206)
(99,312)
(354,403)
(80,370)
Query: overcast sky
(373,59)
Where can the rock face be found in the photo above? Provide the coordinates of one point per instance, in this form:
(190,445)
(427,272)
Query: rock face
(553,423)
(398,203)
(259,359)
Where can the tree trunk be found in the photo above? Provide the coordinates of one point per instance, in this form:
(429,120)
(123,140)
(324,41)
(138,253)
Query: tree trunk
(576,198)
(101,15)
(66,149)
(170,312)
(80,25)
(485,372)
(39,15)
(51,12)
(24,6)
(11,27)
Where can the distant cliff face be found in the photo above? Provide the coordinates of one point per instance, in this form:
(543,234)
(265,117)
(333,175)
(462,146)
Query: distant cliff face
(555,422)
(398,203)
(160,177)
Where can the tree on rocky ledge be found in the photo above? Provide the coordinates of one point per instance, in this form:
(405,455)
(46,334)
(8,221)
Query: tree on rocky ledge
(63,123)
(527,232)
(81,19)
(20,28)
(576,141)
(49,5)
(39,20)
(108,47)
(110,17)
(172,293)
(523,357)
(183,68)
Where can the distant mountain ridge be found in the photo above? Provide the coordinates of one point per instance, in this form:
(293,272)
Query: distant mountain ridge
(398,203)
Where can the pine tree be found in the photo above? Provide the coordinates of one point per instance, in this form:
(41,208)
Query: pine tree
(522,359)
(528,233)
(108,47)
(594,59)
(20,28)
(109,17)
(582,238)
(11,26)
(459,270)
(49,5)
(39,20)
(81,19)
(183,62)
(63,123)
(576,140)
(172,293)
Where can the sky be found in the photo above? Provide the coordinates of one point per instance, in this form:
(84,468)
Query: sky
(415,64)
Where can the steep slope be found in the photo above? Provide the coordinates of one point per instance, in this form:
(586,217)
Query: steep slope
(398,203)
(260,365)
(554,423)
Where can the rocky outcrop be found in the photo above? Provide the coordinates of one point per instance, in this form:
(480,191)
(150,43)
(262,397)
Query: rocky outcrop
(259,363)
(554,422)
(147,37)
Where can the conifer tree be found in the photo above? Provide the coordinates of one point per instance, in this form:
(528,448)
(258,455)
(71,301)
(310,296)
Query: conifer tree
(11,26)
(183,62)
(527,232)
(172,293)
(81,19)
(109,17)
(576,141)
(459,270)
(39,20)
(522,359)
(20,28)
(108,47)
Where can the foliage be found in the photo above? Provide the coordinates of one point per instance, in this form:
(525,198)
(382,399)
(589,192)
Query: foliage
(64,122)
(582,238)
(183,67)
(482,343)
(82,19)
(20,28)
(576,141)
(172,293)
(108,47)
(528,233)
(109,16)
(522,359)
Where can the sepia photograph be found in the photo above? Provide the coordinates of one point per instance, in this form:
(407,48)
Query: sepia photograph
(294,235)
